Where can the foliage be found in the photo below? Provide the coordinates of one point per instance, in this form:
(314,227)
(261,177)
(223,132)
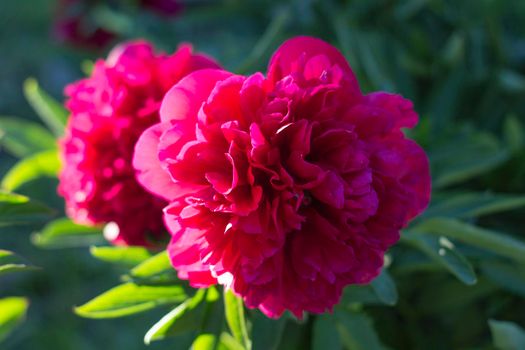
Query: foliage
(456,279)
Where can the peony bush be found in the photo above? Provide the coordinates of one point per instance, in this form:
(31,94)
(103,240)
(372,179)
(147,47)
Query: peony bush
(326,201)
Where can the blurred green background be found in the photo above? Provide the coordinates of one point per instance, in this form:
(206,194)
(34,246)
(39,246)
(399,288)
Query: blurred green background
(461,62)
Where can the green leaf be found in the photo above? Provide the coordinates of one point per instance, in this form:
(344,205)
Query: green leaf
(204,342)
(126,256)
(385,288)
(512,81)
(23,138)
(472,204)
(10,262)
(155,269)
(87,66)
(372,60)
(442,251)
(52,113)
(212,326)
(465,156)
(345,37)
(227,342)
(234,309)
(129,298)
(382,290)
(62,233)
(492,241)
(262,326)
(510,277)
(18,209)
(514,133)
(42,164)
(325,334)
(265,43)
(187,316)
(355,294)
(507,335)
(356,331)
(407,9)
(454,50)
(13,311)
(442,101)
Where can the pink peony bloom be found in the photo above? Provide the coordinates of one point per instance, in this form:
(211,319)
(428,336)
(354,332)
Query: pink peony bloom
(109,111)
(284,188)
(163,7)
(73,25)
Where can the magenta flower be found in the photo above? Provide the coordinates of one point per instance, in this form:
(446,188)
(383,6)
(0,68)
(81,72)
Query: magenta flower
(284,188)
(163,7)
(73,25)
(109,111)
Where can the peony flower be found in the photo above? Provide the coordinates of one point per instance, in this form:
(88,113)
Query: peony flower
(163,7)
(284,188)
(109,111)
(73,25)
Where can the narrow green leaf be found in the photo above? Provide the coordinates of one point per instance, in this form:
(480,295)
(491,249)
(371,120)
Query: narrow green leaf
(227,342)
(372,61)
(204,342)
(87,66)
(23,138)
(52,113)
(212,326)
(13,311)
(129,298)
(155,269)
(466,155)
(472,204)
(355,294)
(454,49)
(357,331)
(187,316)
(41,164)
(510,277)
(492,241)
(18,209)
(451,296)
(265,43)
(385,288)
(507,335)
(512,81)
(443,100)
(407,9)
(10,262)
(234,309)
(469,169)
(442,251)
(62,233)
(126,256)
(382,290)
(262,326)
(514,133)
(325,334)
(345,39)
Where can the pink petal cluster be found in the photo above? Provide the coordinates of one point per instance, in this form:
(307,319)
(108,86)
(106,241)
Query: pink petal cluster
(285,187)
(109,111)
(73,25)
(163,7)
(75,21)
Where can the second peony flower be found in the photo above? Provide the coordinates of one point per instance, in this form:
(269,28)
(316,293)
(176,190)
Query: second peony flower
(109,111)
(285,187)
